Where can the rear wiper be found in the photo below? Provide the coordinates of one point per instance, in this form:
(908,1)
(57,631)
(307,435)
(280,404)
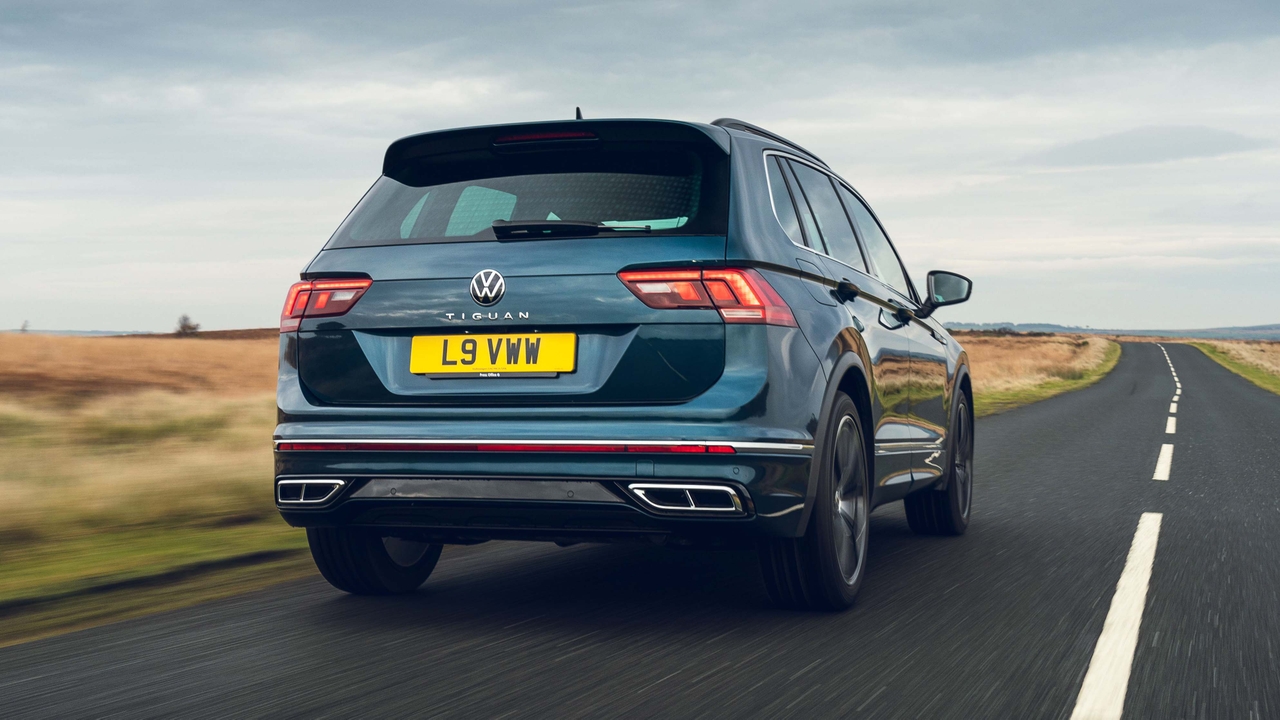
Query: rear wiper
(531,229)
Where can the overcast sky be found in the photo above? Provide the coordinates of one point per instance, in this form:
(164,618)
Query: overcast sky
(1099,162)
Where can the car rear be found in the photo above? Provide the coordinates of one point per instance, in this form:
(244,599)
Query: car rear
(531,332)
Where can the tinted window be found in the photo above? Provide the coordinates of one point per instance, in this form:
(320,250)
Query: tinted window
(887,266)
(476,210)
(671,189)
(832,221)
(806,217)
(782,205)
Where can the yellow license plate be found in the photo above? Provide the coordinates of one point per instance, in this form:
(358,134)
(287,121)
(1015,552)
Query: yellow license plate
(494,355)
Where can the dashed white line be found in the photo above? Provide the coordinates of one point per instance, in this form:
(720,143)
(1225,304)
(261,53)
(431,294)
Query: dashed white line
(1173,407)
(1163,463)
(1107,680)
(1171,426)
(1177,392)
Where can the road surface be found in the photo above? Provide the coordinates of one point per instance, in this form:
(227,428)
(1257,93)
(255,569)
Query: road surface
(1164,592)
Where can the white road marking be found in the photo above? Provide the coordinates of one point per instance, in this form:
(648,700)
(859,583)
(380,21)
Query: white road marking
(1163,463)
(1177,392)
(1179,385)
(1107,680)
(1171,426)
(1173,407)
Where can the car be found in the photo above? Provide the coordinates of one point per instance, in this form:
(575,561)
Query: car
(616,330)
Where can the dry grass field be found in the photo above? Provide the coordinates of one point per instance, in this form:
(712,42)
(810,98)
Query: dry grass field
(1262,355)
(1256,361)
(75,370)
(1012,370)
(128,458)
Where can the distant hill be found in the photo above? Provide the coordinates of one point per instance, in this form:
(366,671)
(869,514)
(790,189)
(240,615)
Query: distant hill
(1255,332)
(251,334)
(78,333)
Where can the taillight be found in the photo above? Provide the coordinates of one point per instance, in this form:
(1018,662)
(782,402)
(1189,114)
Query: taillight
(668,288)
(742,295)
(320,298)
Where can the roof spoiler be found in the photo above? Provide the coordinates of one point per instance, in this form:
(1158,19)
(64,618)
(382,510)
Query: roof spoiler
(734,124)
(464,141)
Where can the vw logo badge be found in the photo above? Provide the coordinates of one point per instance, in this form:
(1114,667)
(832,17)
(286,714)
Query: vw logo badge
(487,287)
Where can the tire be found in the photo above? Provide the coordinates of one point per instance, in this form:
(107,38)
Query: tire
(946,511)
(364,562)
(823,570)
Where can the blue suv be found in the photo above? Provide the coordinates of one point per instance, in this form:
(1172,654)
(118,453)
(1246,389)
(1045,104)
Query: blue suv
(611,331)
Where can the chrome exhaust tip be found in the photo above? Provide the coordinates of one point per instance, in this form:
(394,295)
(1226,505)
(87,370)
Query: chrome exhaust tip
(679,498)
(307,492)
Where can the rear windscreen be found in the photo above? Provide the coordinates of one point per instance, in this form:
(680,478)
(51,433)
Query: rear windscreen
(669,187)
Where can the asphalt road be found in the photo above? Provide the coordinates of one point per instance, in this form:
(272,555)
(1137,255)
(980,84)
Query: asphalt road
(1002,622)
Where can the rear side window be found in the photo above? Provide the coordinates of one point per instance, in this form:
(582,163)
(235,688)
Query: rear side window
(783,208)
(806,216)
(887,265)
(841,243)
(671,188)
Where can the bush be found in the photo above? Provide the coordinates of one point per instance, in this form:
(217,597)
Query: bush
(186,328)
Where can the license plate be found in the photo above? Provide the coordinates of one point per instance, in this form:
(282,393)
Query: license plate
(493,355)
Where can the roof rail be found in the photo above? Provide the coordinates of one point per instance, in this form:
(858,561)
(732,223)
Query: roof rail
(744,126)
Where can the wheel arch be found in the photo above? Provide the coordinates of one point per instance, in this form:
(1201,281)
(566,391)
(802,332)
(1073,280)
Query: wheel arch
(961,384)
(850,376)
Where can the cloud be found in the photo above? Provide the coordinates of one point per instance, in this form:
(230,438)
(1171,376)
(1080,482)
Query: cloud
(1152,144)
(196,147)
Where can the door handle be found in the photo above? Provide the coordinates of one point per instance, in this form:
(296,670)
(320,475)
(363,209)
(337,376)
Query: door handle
(901,312)
(846,291)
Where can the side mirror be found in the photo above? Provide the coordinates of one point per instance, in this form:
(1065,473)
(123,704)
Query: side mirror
(945,288)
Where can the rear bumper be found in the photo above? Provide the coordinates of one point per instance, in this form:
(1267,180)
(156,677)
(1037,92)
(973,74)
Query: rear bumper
(520,491)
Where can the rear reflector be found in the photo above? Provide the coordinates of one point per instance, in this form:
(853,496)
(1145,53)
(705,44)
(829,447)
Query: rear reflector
(320,298)
(742,295)
(516,447)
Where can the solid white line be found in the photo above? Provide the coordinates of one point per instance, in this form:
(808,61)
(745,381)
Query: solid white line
(1163,463)
(1171,426)
(1107,680)
(1173,408)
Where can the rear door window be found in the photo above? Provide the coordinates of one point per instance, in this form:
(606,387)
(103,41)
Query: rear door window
(783,207)
(834,224)
(886,264)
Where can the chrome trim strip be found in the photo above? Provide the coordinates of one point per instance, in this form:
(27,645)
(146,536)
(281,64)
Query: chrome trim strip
(744,446)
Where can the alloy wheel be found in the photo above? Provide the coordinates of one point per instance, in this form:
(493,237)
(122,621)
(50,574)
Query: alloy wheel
(962,465)
(849,479)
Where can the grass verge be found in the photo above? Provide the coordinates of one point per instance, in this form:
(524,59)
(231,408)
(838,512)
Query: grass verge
(68,583)
(77,612)
(991,402)
(1254,374)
